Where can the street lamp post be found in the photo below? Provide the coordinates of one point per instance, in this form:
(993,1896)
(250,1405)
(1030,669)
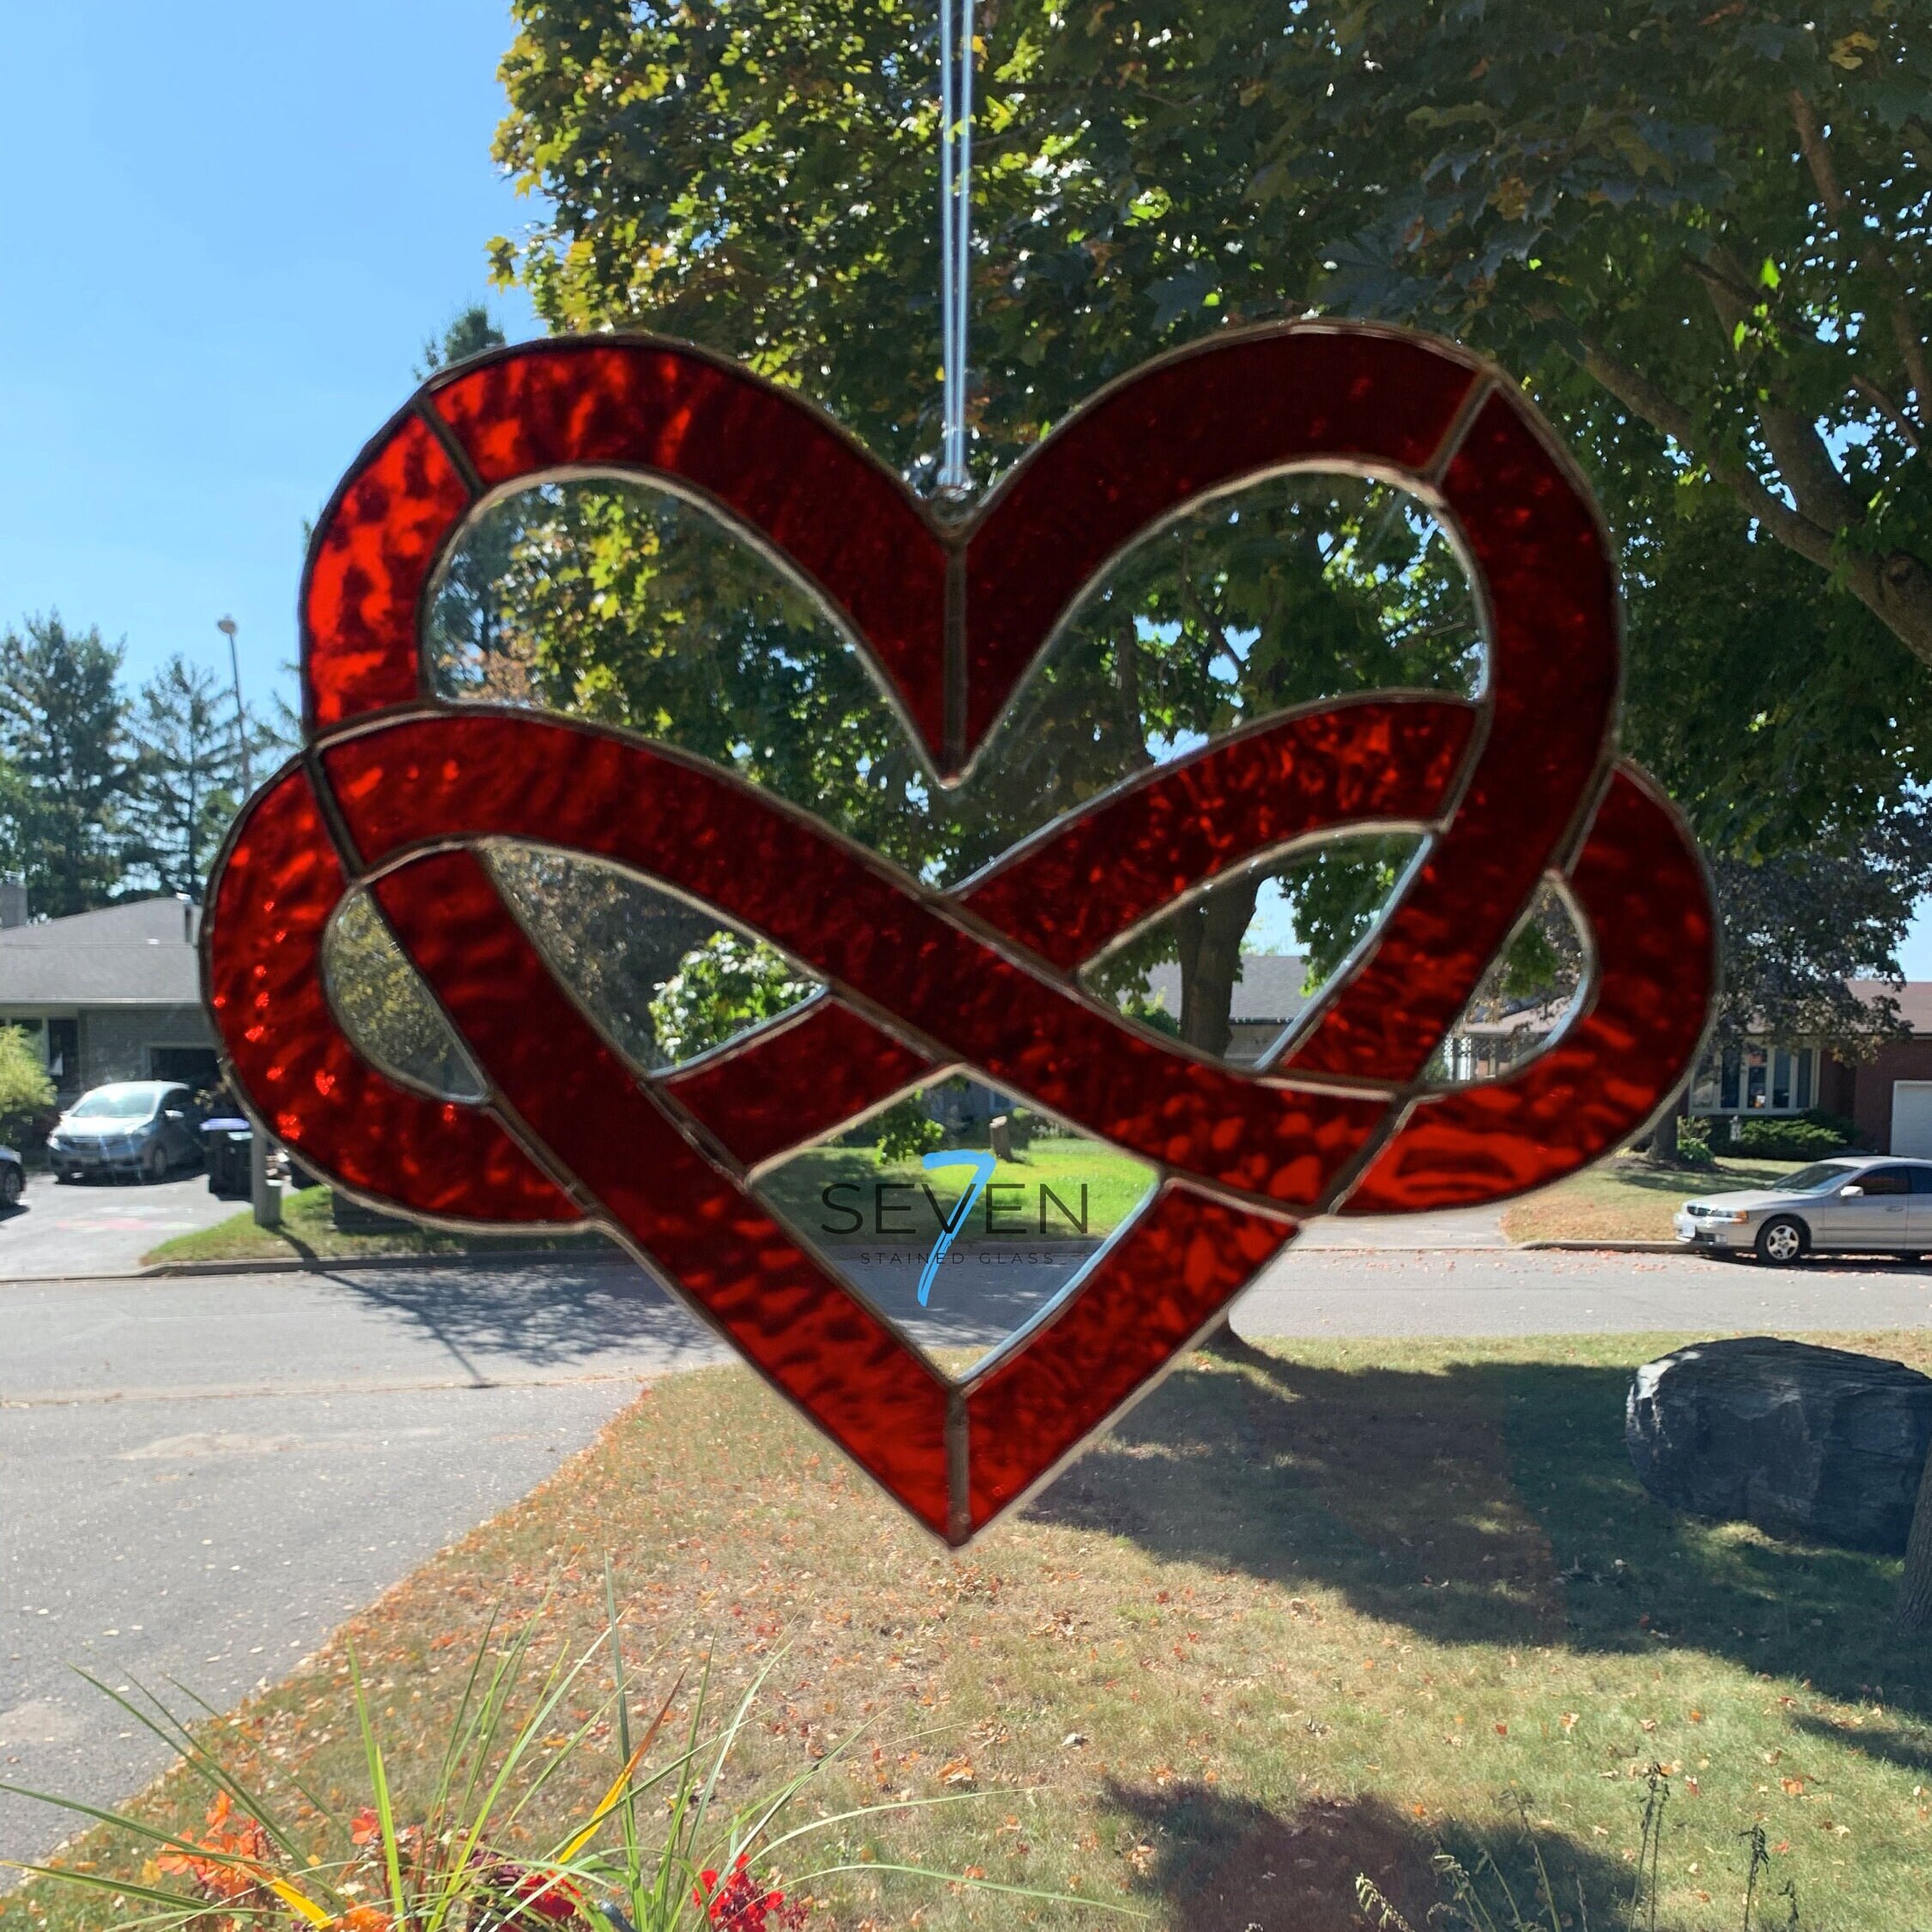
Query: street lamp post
(264,1195)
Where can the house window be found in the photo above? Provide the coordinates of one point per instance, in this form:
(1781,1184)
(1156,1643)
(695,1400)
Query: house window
(1756,1080)
(63,1052)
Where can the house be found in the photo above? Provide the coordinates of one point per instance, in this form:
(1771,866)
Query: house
(108,995)
(1267,999)
(1888,1096)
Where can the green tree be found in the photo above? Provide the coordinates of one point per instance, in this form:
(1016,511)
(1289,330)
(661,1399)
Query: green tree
(1151,174)
(185,787)
(467,599)
(26,1092)
(62,730)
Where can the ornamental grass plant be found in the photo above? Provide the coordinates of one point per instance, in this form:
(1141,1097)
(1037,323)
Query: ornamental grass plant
(658,1851)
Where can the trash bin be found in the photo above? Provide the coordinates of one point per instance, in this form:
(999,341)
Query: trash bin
(224,1144)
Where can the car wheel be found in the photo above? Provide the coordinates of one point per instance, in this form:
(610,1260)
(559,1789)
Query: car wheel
(154,1165)
(11,1186)
(1781,1242)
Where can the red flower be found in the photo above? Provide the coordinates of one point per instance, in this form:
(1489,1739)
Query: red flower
(738,1905)
(530,1896)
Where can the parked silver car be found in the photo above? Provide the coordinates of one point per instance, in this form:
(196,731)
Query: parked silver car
(141,1128)
(1860,1204)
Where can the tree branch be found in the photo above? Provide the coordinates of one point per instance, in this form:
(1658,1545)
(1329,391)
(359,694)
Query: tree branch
(1639,394)
(1824,172)
(1891,411)
(1805,465)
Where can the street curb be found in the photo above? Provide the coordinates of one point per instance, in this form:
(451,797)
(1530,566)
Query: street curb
(1609,1247)
(181,1270)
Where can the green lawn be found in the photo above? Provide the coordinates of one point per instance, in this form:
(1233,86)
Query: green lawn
(1311,1613)
(1113,1183)
(306,1233)
(1629,1200)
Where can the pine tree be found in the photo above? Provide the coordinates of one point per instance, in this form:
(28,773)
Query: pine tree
(187,780)
(61,733)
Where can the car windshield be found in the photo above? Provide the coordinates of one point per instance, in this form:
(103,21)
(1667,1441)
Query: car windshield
(1821,1173)
(115,1103)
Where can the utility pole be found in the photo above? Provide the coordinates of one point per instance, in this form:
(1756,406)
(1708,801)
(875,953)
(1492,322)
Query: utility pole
(264,1195)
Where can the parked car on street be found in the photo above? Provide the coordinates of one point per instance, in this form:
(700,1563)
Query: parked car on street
(140,1128)
(1859,1204)
(13,1177)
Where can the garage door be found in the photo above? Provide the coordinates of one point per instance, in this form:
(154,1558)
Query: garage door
(1911,1117)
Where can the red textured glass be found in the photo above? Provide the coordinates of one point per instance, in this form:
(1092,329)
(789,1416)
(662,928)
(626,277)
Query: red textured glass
(1517,789)
(368,565)
(758,452)
(271,901)
(809,1335)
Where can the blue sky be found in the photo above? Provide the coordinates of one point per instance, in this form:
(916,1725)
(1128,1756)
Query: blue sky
(230,228)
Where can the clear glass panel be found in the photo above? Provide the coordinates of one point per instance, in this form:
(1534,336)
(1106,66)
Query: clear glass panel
(1523,1000)
(956,1213)
(662,981)
(1805,1059)
(388,1013)
(1232,972)
(1781,1080)
(1730,1091)
(1756,1071)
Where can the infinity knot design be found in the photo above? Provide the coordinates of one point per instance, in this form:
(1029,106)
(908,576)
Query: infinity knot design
(395,791)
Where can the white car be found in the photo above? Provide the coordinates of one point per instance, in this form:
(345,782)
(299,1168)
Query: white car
(1859,1204)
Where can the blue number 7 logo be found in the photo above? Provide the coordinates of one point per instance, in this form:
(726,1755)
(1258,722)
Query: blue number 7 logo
(982,1166)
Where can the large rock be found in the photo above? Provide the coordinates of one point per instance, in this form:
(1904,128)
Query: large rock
(1803,1441)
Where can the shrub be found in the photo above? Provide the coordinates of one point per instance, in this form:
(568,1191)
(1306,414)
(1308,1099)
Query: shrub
(1846,1129)
(719,988)
(905,1132)
(1786,1140)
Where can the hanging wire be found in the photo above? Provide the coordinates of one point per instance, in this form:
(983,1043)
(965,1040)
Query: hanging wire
(955,231)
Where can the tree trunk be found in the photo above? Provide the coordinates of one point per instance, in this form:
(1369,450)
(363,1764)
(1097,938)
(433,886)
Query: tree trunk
(1211,932)
(1913,1612)
(1664,1135)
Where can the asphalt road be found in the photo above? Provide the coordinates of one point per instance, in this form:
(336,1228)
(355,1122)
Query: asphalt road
(201,1478)
(100,1227)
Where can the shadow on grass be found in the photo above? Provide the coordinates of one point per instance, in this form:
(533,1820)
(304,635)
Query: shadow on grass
(1221,1863)
(1492,1502)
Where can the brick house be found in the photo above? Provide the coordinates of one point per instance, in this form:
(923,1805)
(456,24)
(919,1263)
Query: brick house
(1889,1097)
(108,995)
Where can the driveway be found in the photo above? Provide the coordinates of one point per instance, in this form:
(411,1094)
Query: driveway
(100,1227)
(201,1478)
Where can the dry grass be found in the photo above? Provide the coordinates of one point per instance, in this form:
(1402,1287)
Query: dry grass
(1309,1612)
(1629,1200)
